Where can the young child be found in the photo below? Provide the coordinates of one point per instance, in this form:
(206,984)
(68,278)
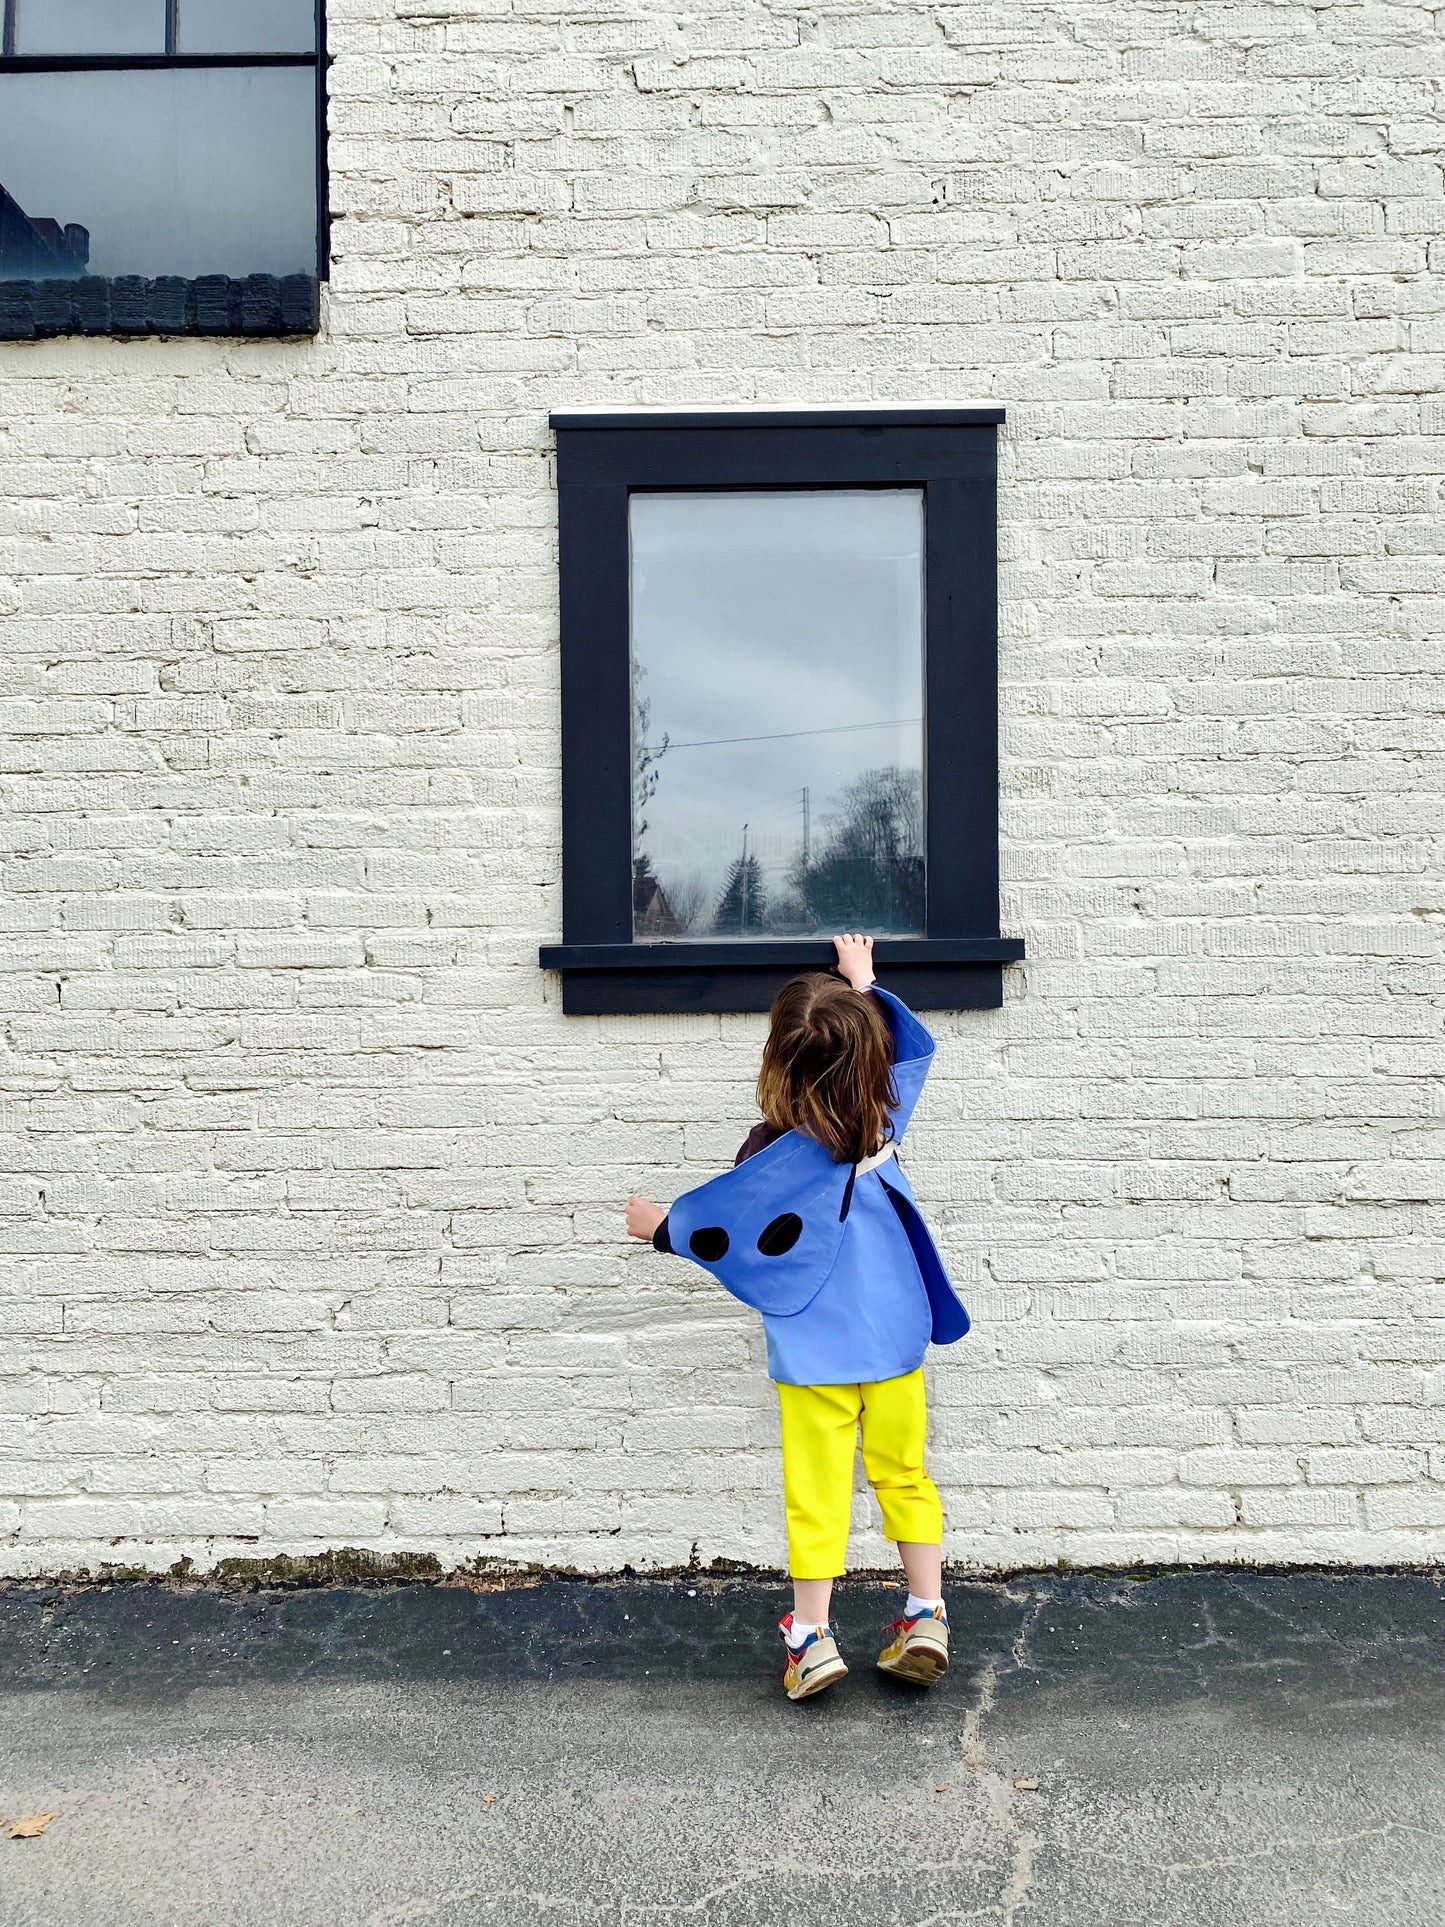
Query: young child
(816,1227)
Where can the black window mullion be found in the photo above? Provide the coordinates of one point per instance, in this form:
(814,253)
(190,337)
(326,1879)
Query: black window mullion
(173,25)
(961,707)
(7,37)
(323,162)
(597,775)
(113,63)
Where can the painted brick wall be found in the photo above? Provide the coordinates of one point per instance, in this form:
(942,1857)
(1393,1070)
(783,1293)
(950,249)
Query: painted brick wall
(311,1216)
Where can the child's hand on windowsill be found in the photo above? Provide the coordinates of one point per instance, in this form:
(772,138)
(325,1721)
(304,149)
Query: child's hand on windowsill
(855,960)
(643,1218)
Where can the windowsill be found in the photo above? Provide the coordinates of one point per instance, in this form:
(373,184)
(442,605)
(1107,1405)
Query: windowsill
(723,953)
(744,974)
(254,305)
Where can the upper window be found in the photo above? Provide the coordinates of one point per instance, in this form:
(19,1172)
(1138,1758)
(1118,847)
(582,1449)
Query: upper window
(160,167)
(779,713)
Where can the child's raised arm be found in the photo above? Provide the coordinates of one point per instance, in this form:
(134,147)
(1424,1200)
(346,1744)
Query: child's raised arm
(912,1045)
(855,960)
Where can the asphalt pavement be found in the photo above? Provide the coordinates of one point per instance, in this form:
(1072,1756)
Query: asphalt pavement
(1249,1749)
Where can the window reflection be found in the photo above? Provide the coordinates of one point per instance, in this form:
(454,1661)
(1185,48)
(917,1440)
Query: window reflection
(777,649)
(246,26)
(188,171)
(139,26)
(35,247)
(90,27)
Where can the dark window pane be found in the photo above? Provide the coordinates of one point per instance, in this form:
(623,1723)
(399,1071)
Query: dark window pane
(185,171)
(90,27)
(247,27)
(777,653)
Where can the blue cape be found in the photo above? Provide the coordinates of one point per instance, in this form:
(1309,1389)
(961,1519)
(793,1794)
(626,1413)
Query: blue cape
(788,1221)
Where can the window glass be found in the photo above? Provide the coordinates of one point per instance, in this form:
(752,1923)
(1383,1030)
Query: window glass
(246,26)
(90,27)
(184,171)
(777,662)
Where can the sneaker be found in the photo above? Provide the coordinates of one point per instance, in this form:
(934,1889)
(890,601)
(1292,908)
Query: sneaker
(811,1667)
(917,1649)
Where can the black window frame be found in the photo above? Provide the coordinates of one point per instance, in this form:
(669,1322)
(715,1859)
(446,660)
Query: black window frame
(212,304)
(603,457)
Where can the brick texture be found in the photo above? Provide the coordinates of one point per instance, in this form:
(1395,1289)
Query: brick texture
(310,1219)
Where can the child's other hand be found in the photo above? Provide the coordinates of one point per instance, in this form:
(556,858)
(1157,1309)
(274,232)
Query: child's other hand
(643,1218)
(855,960)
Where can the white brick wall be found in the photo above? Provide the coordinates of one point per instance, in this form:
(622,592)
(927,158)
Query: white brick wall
(312,1221)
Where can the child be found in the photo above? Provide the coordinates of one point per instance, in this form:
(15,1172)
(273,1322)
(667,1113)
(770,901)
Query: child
(816,1227)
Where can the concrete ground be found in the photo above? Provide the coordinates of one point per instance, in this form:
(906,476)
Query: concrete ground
(1257,1750)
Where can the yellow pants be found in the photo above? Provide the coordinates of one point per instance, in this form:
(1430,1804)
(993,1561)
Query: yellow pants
(820,1439)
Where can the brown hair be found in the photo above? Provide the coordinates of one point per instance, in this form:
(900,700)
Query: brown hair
(828,1067)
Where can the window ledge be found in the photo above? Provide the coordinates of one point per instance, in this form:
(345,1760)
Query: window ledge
(745,974)
(795,953)
(129,304)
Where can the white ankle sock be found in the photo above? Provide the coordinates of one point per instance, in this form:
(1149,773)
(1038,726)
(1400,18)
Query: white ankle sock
(915,1606)
(801,1629)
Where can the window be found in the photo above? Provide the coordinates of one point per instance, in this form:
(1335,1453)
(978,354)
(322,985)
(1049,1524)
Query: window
(161,167)
(777,699)
(779,709)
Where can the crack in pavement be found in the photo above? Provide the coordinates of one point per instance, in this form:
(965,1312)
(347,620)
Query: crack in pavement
(996,1789)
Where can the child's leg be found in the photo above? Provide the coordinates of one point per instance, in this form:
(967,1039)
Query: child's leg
(924,1567)
(812,1599)
(895,1423)
(820,1442)
(895,1419)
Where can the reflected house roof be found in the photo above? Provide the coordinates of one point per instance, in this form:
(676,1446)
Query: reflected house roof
(652,914)
(33,247)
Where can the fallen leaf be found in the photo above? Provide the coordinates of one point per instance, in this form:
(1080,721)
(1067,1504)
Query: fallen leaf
(1026,1786)
(940,1786)
(489,1799)
(31,1826)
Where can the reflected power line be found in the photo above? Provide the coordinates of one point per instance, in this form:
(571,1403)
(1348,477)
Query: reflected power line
(781,735)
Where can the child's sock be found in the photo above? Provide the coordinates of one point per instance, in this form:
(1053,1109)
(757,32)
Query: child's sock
(801,1630)
(915,1606)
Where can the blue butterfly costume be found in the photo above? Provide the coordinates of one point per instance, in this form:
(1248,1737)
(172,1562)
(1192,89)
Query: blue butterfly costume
(836,1257)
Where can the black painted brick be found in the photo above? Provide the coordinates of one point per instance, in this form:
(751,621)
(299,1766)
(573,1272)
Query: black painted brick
(213,304)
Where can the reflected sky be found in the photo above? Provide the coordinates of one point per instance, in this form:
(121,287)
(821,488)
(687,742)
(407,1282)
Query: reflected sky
(90,27)
(139,26)
(247,26)
(174,171)
(777,640)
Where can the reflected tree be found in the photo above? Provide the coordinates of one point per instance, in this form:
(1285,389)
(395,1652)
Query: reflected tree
(689,897)
(652,913)
(868,870)
(742,908)
(645,775)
